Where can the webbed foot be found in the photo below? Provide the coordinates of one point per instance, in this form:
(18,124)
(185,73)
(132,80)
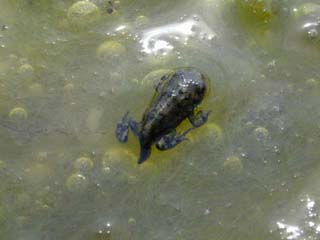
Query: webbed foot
(171,140)
(122,130)
(123,126)
(199,119)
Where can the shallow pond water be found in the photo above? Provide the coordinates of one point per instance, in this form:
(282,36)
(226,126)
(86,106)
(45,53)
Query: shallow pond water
(69,71)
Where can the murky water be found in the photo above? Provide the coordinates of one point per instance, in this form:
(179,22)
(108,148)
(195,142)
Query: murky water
(70,70)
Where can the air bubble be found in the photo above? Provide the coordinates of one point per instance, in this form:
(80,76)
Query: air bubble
(196,17)
(207,211)
(261,133)
(313,34)
(276,149)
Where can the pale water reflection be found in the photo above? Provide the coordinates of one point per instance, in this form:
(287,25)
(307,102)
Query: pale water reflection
(307,224)
(161,40)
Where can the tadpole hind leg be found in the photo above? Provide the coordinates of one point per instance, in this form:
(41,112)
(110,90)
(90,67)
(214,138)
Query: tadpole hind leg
(171,140)
(122,130)
(123,126)
(135,127)
(199,119)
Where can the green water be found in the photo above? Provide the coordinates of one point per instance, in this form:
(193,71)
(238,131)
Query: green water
(66,79)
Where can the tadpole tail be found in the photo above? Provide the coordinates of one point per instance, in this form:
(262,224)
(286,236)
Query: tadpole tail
(144,154)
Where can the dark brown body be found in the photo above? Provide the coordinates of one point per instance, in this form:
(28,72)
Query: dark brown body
(175,100)
(177,95)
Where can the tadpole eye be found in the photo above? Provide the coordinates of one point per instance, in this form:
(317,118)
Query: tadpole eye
(164,77)
(201,89)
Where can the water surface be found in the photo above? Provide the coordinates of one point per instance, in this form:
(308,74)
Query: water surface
(250,173)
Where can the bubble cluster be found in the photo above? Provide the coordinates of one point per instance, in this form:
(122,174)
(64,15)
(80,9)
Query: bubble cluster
(110,49)
(83,164)
(261,133)
(233,164)
(83,13)
(77,183)
(18,113)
